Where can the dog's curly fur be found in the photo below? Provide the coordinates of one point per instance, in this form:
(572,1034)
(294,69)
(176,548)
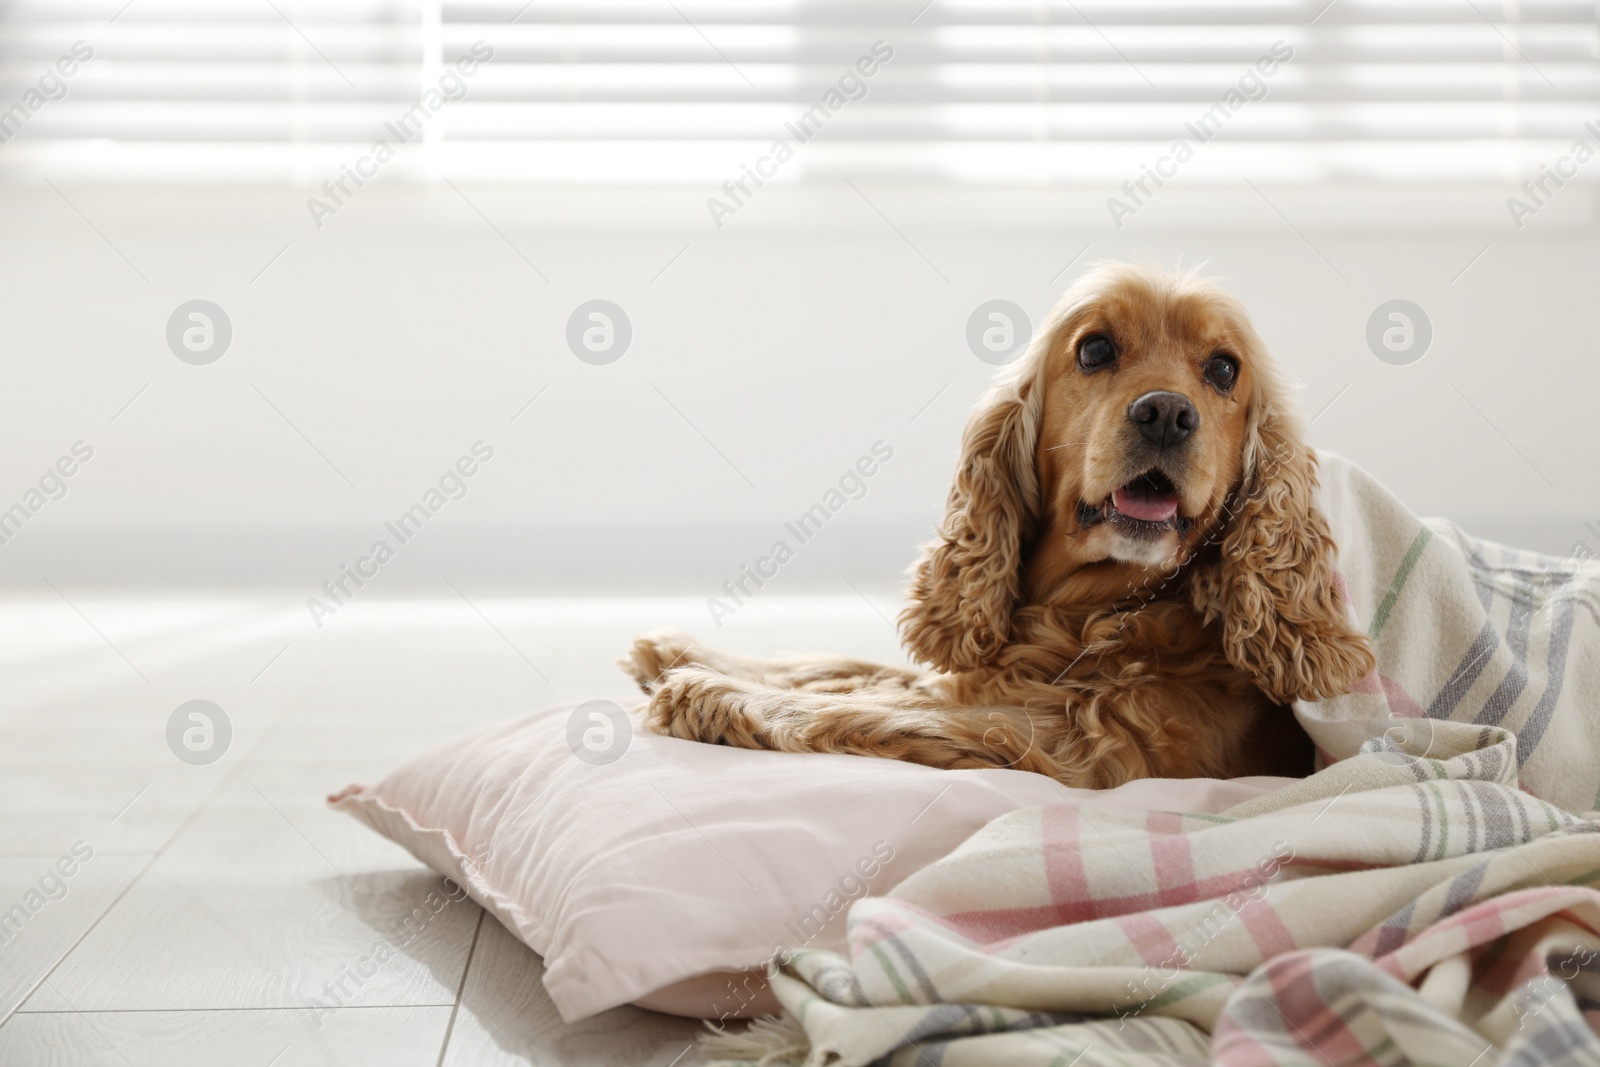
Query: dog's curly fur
(1089,650)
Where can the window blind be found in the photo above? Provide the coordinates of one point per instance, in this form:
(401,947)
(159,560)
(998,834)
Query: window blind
(633,91)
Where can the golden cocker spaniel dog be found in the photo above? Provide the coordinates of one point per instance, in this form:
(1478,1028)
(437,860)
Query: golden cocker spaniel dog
(1130,580)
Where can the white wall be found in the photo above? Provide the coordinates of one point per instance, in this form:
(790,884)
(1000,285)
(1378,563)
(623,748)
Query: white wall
(792,338)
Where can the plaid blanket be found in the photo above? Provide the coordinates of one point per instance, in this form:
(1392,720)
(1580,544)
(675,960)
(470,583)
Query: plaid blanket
(1429,897)
(1470,635)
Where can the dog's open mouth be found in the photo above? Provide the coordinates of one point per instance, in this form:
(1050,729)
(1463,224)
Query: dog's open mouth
(1151,497)
(1146,505)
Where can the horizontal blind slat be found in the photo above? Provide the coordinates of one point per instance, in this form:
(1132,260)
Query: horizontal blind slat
(973,87)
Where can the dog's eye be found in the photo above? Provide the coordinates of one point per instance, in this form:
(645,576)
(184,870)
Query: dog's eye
(1096,351)
(1222,371)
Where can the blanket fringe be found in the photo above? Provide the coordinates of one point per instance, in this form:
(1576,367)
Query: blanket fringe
(770,1041)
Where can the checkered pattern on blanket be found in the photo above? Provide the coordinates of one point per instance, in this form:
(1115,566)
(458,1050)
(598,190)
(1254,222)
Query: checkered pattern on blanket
(1444,921)
(1430,897)
(1468,634)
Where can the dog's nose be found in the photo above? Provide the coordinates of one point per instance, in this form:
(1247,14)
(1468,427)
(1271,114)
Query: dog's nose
(1165,419)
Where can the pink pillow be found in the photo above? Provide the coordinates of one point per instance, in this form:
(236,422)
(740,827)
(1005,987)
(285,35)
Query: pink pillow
(643,867)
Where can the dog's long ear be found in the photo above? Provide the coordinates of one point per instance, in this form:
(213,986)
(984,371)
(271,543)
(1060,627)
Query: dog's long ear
(965,586)
(1283,617)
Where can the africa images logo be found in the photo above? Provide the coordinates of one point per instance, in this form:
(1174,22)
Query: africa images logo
(403,128)
(1250,86)
(851,85)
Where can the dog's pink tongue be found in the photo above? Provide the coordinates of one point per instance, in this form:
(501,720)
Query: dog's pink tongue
(1138,502)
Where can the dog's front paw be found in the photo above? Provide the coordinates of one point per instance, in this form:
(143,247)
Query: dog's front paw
(654,654)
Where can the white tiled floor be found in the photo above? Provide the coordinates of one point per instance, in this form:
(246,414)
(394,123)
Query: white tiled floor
(221,898)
